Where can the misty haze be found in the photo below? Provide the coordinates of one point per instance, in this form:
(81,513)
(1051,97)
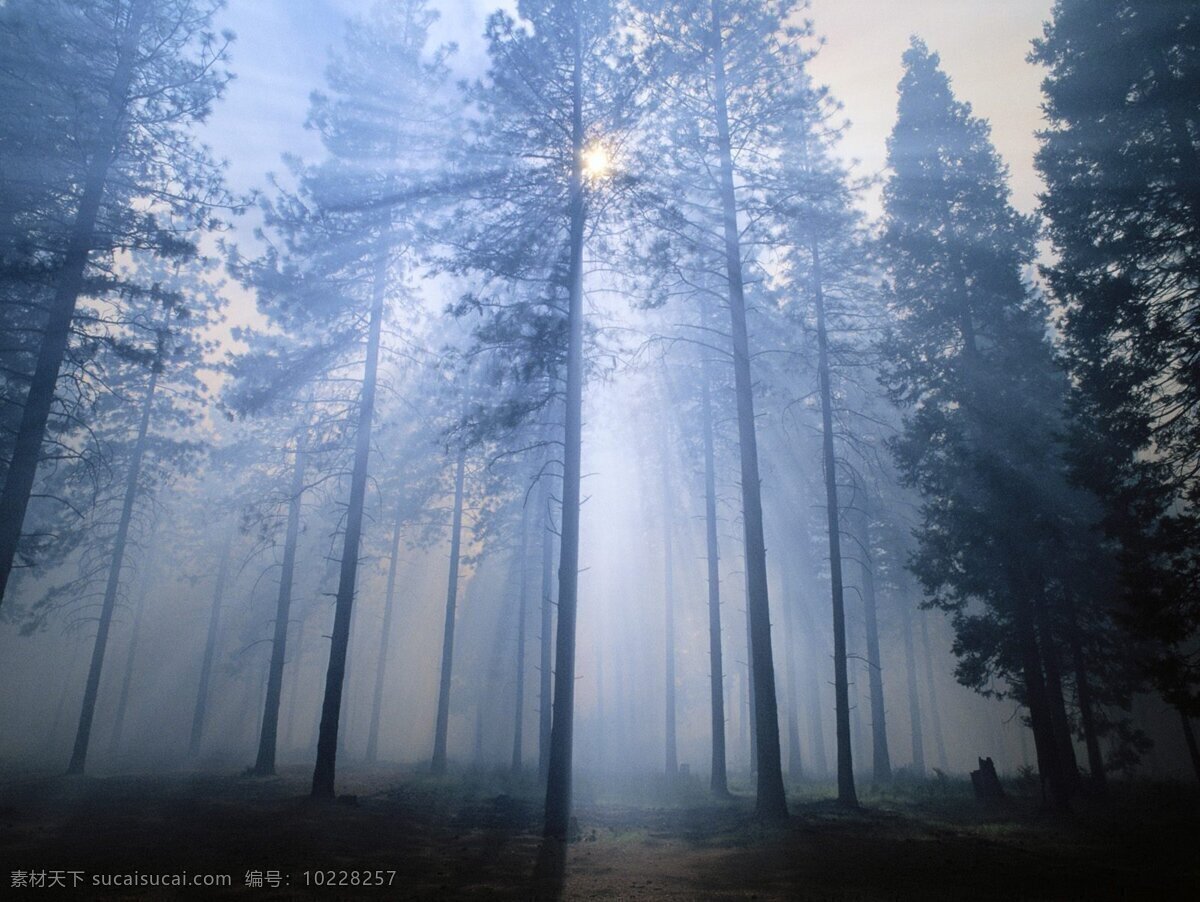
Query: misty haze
(599,449)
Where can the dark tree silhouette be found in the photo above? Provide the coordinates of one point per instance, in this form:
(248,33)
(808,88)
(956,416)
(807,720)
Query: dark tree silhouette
(1121,161)
(138,76)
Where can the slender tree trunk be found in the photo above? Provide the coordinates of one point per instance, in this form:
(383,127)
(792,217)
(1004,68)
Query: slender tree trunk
(210,649)
(350,699)
(737,704)
(1044,736)
(751,701)
(315,732)
(127,680)
(1189,737)
(914,697)
(841,683)
(816,719)
(672,754)
(881,764)
(546,658)
(816,727)
(558,780)
(719,781)
(51,744)
(853,663)
(22,468)
(385,638)
(331,706)
(795,763)
(265,765)
(443,709)
(1083,691)
(92,687)
(259,709)
(771,802)
(935,711)
(1037,698)
(519,712)
(290,729)
(1060,723)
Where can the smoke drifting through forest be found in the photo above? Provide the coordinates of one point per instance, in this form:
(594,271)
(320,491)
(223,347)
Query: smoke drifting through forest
(585,423)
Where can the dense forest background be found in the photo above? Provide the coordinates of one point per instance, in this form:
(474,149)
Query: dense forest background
(575,392)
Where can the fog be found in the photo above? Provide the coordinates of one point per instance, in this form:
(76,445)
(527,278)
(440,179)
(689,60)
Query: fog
(630,505)
(559,414)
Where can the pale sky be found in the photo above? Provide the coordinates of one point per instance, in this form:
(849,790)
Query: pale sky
(282,47)
(279,59)
(982,44)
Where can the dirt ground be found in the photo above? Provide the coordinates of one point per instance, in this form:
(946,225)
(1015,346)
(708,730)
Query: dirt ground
(474,836)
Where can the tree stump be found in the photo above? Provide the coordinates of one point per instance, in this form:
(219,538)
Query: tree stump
(986,782)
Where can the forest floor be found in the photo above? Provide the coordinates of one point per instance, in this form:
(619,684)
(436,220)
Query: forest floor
(476,837)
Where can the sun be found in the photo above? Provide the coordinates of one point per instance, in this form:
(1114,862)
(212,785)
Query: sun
(597,162)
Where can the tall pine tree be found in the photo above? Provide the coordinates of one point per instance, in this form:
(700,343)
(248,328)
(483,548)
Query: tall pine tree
(969,361)
(1121,161)
(346,244)
(553,105)
(122,82)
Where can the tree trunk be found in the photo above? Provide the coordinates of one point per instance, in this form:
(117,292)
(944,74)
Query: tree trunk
(290,729)
(1189,736)
(443,709)
(719,781)
(1044,734)
(546,658)
(819,764)
(914,697)
(114,743)
(22,468)
(1083,691)
(331,706)
(672,754)
(1055,694)
(751,701)
(210,649)
(816,719)
(92,687)
(519,712)
(881,764)
(68,673)
(935,710)
(1037,698)
(795,763)
(558,779)
(385,638)
(771,802)
(256,705)
(265,765)
(854,661)
(841,683)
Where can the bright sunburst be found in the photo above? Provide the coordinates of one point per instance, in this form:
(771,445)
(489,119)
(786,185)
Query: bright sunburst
(597,162)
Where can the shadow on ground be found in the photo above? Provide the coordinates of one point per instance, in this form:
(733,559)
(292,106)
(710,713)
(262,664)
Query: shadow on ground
(471,836)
